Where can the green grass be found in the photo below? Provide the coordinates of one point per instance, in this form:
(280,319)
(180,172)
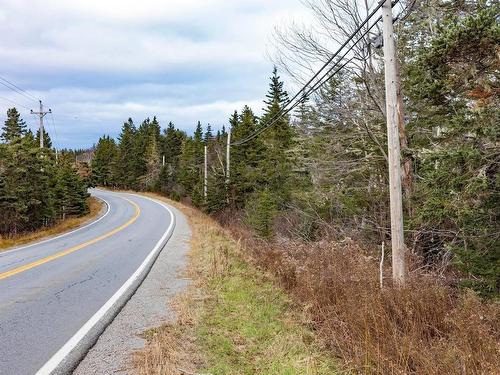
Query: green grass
(232,319)
(248,328)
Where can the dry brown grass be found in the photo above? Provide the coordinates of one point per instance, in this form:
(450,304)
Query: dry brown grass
(172,349)
(95,207)
(427,328)
(232,319)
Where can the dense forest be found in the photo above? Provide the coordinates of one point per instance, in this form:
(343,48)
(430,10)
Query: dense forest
(36,189)
(323,171)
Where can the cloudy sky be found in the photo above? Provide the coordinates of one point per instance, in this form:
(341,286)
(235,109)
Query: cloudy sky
(97,62)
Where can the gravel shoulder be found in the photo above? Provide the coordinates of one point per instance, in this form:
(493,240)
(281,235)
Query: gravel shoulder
(148,307)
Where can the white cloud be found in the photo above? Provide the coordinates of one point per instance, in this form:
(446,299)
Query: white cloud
(104,60)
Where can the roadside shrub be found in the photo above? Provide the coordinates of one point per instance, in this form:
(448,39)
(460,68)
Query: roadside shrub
(260,212)
(430,327)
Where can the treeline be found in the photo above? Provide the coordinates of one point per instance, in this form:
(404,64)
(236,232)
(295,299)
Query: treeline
(36,190)
(324,172)
(172,162)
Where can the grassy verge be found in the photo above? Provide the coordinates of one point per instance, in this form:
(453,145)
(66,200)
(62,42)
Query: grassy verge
(95,206)
(232,320)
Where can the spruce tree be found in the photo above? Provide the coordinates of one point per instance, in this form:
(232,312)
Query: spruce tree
(171,149)
(150,179)
(191,166)
(208,135)
(14,127)
(102,163)
(275,166)
(126,166)
(47,141)
(245,158)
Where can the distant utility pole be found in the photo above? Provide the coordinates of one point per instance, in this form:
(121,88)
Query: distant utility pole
(41,115)
(228,163)
(163,160)
(205,179)
(394,152)
(228,156)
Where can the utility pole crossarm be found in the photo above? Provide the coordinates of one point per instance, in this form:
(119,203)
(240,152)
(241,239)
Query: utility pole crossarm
(41,115)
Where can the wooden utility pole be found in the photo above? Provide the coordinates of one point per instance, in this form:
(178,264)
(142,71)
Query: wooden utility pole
(394,153)
(163,160)
(228,165)
(205,179)
(41,115)
(228,157)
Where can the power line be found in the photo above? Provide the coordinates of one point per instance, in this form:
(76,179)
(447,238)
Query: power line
(306,92)
(283,111)
(13,102)
(16,89)
(288,110)
(54,128)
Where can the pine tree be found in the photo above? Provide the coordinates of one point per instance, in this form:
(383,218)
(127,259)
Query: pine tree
(102,163)
(208,135)
(150,179)
(276,94)
(191,165)
(245,158)
(275,167)
(261,211)
(70,193)
(455,125)
(47,141)
(171,149)
(127,166)
(26,201)
(14,127)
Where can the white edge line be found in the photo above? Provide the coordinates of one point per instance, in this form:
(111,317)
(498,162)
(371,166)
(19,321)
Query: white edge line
(59,356)
(61,235)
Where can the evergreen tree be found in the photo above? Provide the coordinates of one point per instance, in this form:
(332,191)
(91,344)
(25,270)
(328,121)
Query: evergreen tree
(208,135)
(70,193)
(102,163)
(128,164)
(456,127)
(191,165)
(150,179)
(275,167)
(47,141)
(172,142)
(245,158)
(261,211)
(14,127)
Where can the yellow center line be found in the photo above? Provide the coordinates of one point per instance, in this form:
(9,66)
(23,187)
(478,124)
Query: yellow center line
(52,257)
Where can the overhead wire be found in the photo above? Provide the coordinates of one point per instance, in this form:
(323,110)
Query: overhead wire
(284,110)
(16,89)
(15,103)
(288,110)
(56,137)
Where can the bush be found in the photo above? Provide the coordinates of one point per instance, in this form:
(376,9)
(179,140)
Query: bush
(260,212)
(428,328)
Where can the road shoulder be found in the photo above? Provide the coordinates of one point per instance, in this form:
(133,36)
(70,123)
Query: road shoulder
(147,307)
(233,318)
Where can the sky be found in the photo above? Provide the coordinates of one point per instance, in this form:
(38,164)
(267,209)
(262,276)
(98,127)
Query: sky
(95,63)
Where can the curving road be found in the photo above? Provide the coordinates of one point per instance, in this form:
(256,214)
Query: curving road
(56,295)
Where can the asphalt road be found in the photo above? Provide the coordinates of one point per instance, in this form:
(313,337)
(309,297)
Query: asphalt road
(53,290)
